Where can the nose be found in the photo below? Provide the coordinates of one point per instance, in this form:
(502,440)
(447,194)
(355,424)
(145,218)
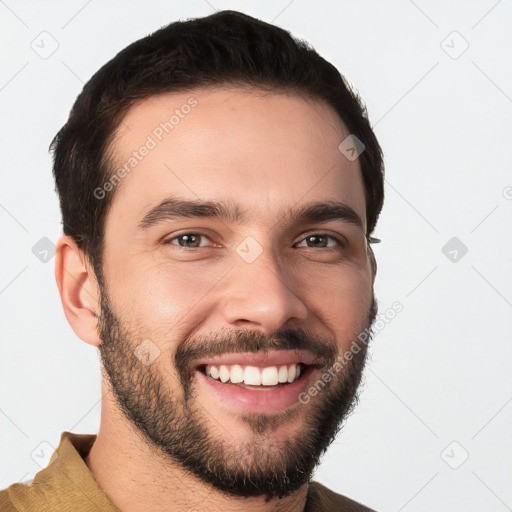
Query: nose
(257,295)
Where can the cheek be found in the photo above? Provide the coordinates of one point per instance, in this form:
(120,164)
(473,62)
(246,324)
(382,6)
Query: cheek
(341,299)
(162,296)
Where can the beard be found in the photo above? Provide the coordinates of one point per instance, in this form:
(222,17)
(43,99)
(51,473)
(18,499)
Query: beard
(168,417)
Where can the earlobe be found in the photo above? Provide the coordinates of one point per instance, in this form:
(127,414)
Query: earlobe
(79,290)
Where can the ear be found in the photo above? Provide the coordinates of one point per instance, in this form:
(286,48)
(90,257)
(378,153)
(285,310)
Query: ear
(79,290)
(373,264)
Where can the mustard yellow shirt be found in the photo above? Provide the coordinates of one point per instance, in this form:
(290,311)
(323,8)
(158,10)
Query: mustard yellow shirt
(67,485)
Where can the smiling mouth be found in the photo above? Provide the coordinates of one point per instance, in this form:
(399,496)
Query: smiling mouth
(262,383)
(255,377)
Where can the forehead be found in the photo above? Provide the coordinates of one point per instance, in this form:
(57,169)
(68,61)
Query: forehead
(267,152)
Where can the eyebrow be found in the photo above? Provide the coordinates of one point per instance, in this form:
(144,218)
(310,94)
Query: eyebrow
(176,209)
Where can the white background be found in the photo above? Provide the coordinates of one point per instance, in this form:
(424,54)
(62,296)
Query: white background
(440,371)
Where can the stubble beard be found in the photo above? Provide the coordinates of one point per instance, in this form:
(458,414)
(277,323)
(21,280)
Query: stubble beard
(178,426)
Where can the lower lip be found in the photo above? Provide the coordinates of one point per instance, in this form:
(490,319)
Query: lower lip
(259,400)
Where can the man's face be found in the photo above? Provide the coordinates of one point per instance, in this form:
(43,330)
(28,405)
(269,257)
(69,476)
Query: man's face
(190,301)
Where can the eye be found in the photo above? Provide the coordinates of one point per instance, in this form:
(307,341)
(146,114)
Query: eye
(321,241)
(189,240)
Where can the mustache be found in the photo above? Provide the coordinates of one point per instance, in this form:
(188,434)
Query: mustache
(324,349)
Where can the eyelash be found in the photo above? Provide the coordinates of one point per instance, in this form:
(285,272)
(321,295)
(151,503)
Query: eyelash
(340,243)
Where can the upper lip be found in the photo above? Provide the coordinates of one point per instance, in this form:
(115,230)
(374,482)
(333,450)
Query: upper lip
(262,359)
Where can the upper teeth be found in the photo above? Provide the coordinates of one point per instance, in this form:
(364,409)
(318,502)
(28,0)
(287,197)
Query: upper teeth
(254,376)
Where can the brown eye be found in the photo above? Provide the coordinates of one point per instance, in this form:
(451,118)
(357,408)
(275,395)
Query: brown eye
(321,241)
(188,240)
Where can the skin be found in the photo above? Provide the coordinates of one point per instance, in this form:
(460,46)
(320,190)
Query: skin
(269,153)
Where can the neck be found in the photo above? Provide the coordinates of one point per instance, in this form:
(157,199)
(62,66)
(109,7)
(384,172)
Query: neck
(138,478)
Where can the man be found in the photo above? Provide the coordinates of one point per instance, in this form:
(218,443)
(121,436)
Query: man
(219,184)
